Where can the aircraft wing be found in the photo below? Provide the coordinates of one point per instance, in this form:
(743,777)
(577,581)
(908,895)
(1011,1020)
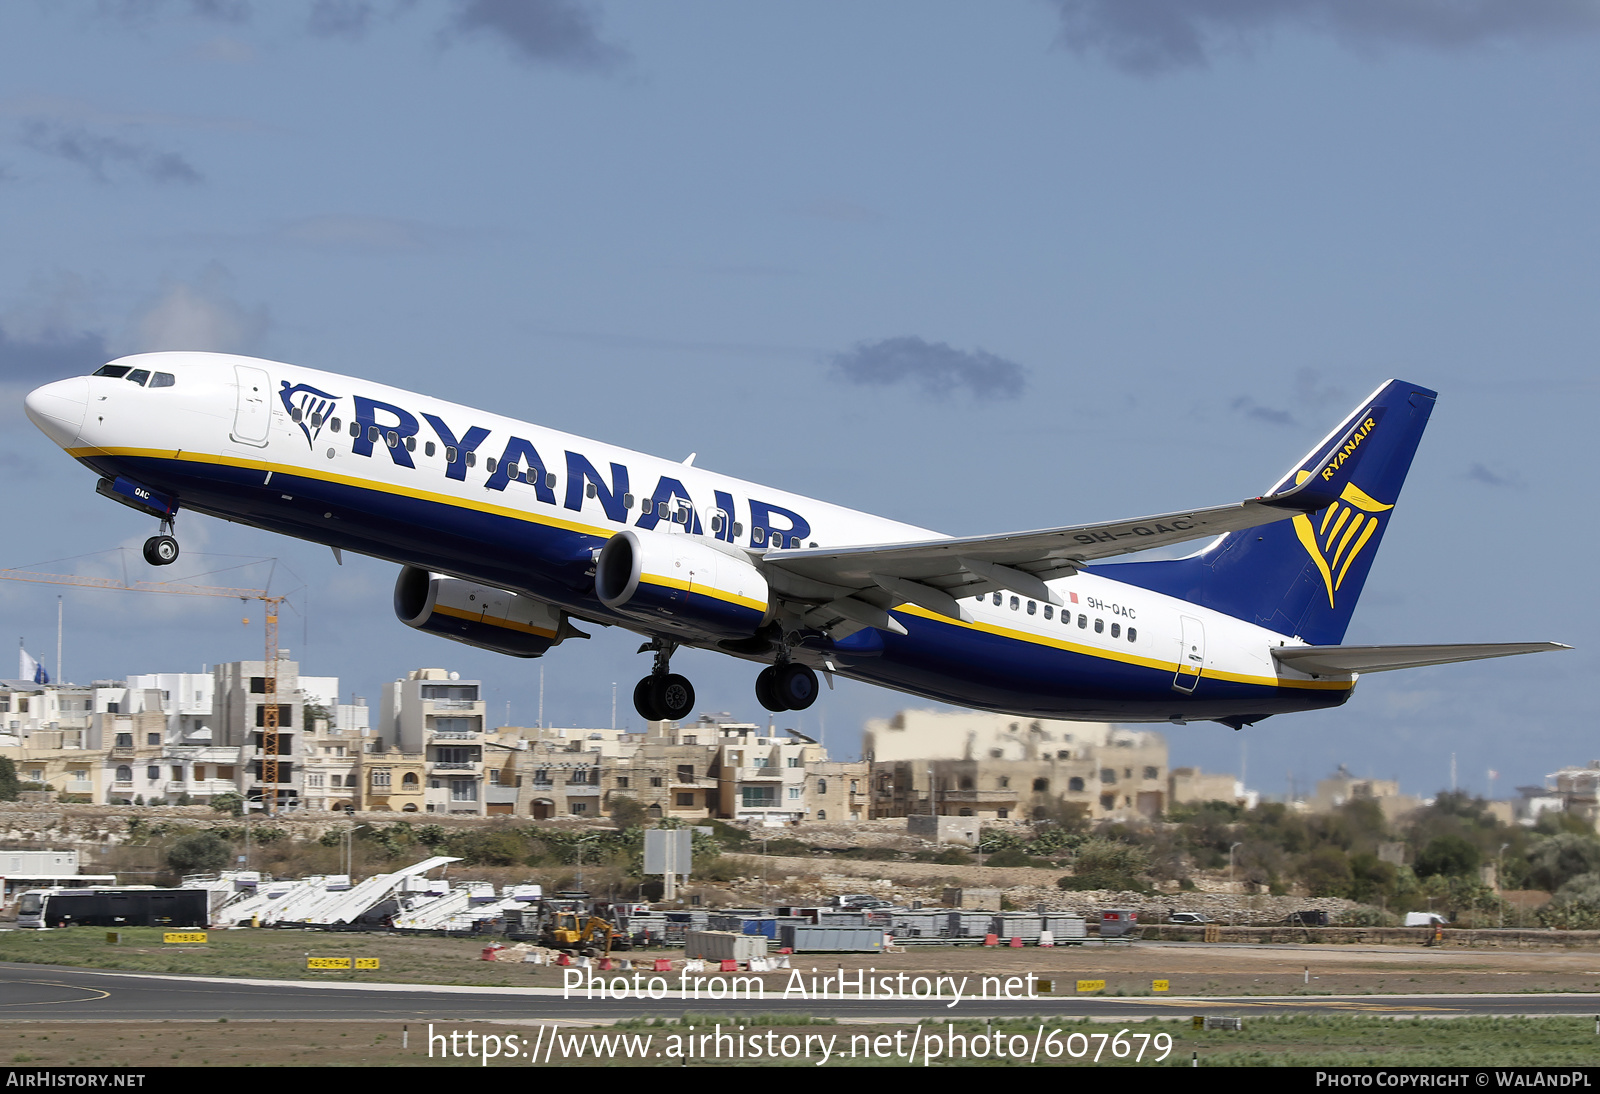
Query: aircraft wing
(1342,660)
(861,583)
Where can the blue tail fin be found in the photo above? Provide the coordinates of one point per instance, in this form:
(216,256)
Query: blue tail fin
(1301,577)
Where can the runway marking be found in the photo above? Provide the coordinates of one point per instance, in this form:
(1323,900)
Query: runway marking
(95,994)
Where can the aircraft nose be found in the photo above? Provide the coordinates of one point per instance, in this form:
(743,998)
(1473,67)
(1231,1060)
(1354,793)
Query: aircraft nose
(59,408)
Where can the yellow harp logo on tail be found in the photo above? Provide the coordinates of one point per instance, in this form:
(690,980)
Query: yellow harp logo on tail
(1342,534)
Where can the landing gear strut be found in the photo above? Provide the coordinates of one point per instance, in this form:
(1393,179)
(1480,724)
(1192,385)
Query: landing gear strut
(161,550)
(663,696)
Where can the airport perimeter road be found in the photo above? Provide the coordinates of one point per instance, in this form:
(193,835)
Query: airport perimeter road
(54,993)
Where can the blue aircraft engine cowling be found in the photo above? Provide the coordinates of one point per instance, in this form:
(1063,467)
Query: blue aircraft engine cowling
(683,582)
(479,615)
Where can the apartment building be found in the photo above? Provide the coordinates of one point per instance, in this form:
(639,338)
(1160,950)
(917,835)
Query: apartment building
(436,714)
(761,774)
(1000,767)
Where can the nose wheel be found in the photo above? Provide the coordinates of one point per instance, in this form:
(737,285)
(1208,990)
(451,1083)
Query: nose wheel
(790,686)
(161,550)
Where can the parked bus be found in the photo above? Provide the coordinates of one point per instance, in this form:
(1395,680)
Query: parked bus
(100,906)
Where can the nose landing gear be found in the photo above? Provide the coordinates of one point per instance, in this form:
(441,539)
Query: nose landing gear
(161,550)
(663,696)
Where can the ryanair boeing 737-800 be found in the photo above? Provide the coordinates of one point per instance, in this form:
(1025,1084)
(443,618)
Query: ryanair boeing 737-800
(509,534)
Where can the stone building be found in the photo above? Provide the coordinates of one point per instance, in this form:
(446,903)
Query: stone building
(1000,767)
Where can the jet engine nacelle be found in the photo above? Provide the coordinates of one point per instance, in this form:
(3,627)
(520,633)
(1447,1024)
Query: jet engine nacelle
(662,577)
(478,615)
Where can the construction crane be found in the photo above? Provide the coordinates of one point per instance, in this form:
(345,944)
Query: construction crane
(267,775)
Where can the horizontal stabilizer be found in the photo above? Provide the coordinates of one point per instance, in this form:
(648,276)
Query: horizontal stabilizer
(1340,660)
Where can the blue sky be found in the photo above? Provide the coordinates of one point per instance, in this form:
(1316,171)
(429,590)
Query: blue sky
(1133,255)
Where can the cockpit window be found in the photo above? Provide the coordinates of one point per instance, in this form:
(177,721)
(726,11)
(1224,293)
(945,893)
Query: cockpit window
(163,379)
(116,372)
(138,376)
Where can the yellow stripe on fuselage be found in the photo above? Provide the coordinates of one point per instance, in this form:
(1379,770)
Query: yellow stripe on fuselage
(1120,656)
(605,533)
(347,480)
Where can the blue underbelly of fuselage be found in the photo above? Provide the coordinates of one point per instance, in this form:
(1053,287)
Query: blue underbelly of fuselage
(936,659)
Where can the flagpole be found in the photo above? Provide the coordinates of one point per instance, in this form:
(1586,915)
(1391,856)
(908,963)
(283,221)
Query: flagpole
(59,678)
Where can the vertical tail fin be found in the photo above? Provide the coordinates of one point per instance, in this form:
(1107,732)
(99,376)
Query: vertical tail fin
(1302,577)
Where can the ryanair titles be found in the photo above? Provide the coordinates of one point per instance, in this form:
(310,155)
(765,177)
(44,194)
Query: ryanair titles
(376,424)
(1346,450)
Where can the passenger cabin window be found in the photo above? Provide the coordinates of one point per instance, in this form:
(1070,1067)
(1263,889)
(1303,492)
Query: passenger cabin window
(1133,635)
(316,420)
(627,501)
(472,459)
(1015,603)
(1083,621)
(1099,625)
(488,464)
(411,445)
(589,490)
(550,481)
(450,454)
(427,449)
(1049,612)
(757,534)
(295,414)
(1116,630)
(1032,607)
(997,599)
(336,425)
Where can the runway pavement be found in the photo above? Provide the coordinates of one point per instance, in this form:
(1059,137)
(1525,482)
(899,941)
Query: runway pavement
(55,993)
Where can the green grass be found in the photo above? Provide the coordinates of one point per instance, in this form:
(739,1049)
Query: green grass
(1341,1040)
(273,955)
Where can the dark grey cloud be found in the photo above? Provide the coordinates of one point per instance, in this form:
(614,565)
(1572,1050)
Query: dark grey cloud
(50,357)
(102,156)
(934,367)
(1153,36)
(1479,473)
(1247,406)
(146,11)
(340,18)
(563,32)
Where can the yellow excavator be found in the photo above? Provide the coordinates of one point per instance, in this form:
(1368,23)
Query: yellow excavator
(565,931)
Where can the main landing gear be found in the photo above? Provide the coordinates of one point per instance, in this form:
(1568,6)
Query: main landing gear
(161,550)
(663,696)
(786,686)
